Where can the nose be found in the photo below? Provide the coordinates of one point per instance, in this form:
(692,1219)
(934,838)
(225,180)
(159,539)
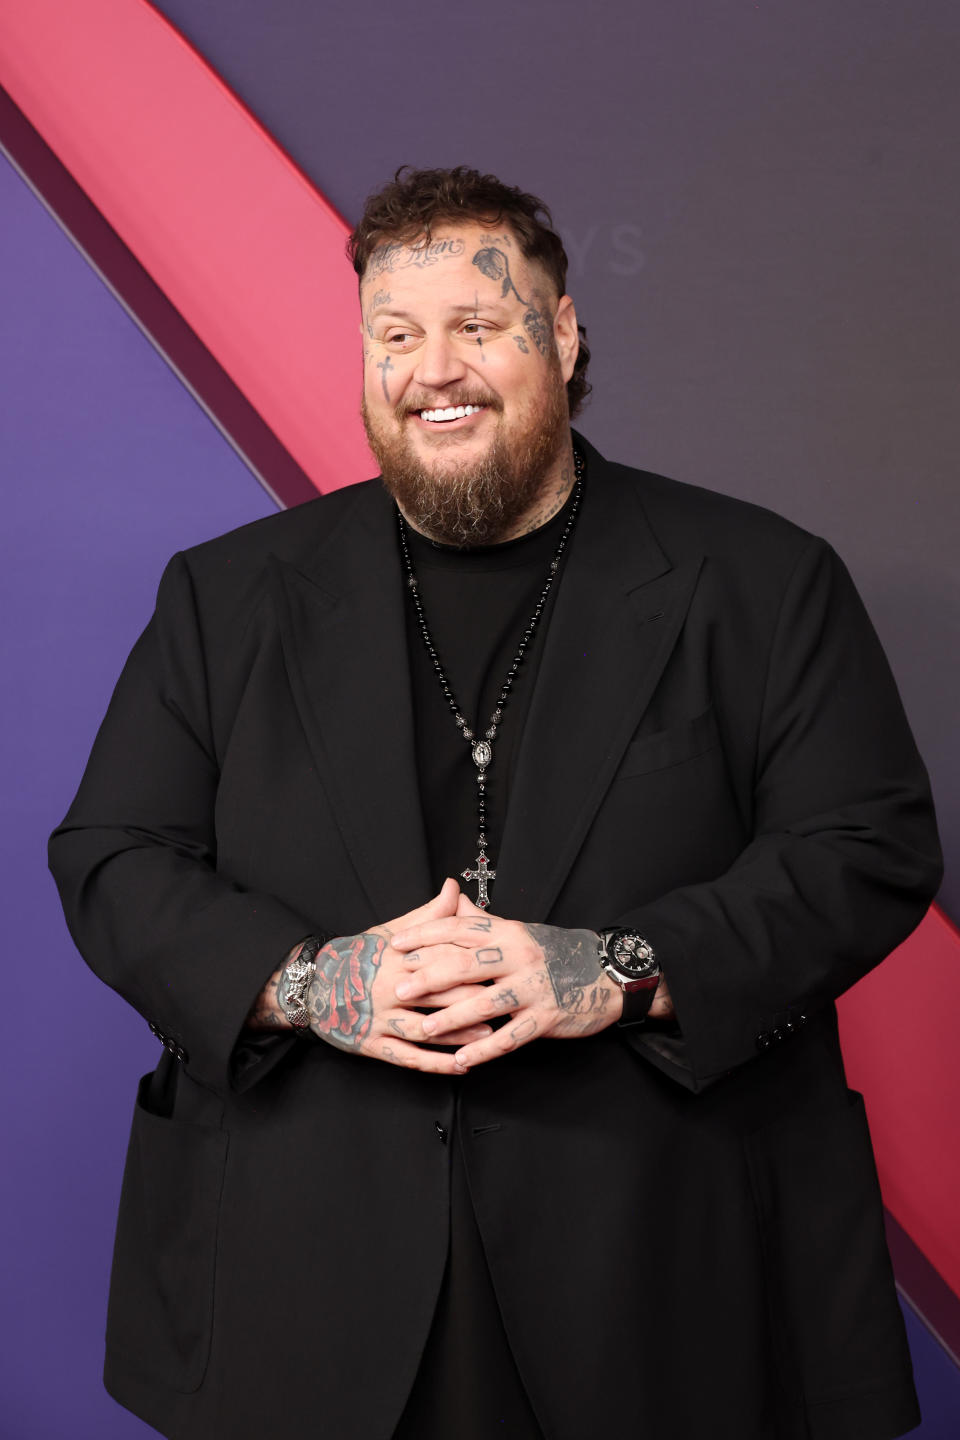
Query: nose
(439,363)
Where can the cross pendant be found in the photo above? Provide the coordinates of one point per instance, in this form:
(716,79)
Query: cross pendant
(483,875)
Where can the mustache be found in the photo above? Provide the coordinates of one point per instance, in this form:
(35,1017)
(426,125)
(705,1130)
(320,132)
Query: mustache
(450,398)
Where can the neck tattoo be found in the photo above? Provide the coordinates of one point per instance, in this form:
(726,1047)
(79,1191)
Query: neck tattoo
(482,750)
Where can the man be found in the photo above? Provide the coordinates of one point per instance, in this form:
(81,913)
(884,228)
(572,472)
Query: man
(650,734)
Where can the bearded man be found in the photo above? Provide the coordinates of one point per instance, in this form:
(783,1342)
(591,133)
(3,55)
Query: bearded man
(565,1150)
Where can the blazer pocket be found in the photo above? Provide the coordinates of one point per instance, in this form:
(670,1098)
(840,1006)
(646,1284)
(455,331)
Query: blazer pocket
(160,1314)
(671,747)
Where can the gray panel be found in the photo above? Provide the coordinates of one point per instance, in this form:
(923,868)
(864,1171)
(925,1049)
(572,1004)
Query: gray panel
(760,208)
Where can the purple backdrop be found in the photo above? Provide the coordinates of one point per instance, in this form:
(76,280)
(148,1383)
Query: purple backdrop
(759,202)
(109,467)
(760,218)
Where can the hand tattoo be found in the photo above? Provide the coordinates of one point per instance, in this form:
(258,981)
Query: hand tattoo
(338,996)
(570,960)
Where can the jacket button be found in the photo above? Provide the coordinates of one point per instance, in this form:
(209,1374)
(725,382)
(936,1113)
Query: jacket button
(763,1041)
(776,1034)
(181,1054)
(801,1019)
(440,1131)
(153,1027)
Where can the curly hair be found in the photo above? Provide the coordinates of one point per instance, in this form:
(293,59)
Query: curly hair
(415,201)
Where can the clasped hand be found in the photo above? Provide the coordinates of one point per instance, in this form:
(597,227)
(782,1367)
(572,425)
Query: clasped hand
(468,967)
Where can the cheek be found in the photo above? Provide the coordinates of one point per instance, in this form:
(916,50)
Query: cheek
(508,369)
(382,382)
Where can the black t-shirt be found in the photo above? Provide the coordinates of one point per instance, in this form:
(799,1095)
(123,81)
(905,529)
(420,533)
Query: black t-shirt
(477,603)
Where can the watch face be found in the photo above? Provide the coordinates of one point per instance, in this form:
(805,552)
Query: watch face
(632,953)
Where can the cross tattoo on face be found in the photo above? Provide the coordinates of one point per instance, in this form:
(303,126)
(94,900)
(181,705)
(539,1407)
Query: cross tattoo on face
(383,366)
(483,875)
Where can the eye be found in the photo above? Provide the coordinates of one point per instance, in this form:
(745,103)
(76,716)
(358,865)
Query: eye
(400,339)
(475,327)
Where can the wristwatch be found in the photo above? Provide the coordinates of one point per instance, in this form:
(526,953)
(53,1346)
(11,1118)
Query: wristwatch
(631,963)
(294,981)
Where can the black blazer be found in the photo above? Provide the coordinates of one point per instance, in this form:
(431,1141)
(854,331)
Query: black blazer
(684,1231)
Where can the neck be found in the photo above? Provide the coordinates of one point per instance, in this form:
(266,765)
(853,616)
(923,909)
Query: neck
(553,495)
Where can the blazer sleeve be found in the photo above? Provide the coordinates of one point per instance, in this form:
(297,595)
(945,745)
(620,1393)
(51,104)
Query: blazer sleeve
(844,859)
(135,861)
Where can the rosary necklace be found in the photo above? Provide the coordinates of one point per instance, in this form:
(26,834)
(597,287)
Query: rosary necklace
(482,750)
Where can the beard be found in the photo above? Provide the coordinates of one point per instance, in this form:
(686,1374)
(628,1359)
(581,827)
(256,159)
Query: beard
(476,501)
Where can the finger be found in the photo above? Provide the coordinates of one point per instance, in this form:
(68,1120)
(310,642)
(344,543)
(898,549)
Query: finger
(481,955)
(411,1057)
(464,1036)
(451,929)
(452,967)
(407,1025)
(443,903)
(494,1001)
(440,999)
(523,1028)
(465,906)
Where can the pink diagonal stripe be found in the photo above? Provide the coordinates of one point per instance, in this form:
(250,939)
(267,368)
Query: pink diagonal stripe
(241,242)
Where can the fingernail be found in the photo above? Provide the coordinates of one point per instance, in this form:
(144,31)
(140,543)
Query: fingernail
(404,989)
(460,1059)
(429,1025)
(459,1069)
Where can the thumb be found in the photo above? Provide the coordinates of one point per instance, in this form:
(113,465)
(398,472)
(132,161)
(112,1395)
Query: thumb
(442,905)
(465,905)
(446,902)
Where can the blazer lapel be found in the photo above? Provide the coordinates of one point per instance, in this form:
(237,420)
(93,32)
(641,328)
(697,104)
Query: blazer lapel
(344,640)
(619,610)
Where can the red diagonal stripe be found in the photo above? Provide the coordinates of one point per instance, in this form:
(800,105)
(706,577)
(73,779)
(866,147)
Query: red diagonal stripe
(245,247)
(898,1027)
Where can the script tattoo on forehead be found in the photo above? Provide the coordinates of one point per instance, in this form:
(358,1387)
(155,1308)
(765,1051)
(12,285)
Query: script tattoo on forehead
(492,262)
(393,255)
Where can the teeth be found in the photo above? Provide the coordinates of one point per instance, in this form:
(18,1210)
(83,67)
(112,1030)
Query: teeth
(452,412)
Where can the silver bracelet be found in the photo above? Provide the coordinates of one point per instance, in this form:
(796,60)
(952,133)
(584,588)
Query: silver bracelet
(294,979)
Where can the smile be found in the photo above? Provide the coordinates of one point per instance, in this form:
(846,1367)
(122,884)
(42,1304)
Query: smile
(452,412)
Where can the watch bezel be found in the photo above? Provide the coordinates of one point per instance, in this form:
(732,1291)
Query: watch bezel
(631,978)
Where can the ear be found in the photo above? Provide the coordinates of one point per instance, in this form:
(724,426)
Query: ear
(566,335)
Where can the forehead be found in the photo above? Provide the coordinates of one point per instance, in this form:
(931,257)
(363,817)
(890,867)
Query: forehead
(454,258)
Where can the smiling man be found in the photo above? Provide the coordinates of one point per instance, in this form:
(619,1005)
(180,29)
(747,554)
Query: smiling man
(402,789)
(465,404)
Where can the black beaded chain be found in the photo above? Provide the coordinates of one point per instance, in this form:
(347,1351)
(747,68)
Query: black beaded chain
(482,750)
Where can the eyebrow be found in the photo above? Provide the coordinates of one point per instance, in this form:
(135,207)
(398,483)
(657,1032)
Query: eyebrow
(469,308)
